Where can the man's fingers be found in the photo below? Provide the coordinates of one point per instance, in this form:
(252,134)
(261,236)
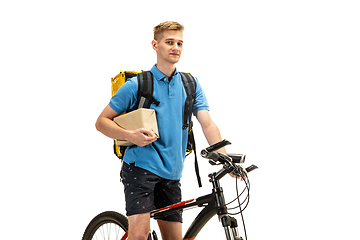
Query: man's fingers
(148,133)
(143,137)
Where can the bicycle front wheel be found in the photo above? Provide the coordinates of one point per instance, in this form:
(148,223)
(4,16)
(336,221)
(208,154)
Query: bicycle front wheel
(107,225)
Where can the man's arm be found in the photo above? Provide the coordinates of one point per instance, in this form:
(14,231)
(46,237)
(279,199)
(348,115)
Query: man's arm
(210,130)
(109,128)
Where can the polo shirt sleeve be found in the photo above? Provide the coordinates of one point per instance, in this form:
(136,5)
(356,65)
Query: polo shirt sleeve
(125,97)
(200,102)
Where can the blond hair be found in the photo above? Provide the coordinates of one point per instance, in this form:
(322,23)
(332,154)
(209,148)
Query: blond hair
(168,25)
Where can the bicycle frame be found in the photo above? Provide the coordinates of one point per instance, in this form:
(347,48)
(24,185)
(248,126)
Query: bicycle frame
(203,217)
(213,204)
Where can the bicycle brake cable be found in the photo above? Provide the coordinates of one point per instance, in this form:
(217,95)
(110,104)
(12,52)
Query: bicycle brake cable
(247,187)
(248,198)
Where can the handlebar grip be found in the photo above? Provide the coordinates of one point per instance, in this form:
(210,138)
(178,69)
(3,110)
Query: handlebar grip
(218,145)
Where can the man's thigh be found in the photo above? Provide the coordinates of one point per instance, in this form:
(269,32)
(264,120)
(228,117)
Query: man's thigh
(145,191)
(139,187)
(168,192)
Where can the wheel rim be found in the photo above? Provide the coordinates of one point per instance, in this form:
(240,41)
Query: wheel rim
(109,231)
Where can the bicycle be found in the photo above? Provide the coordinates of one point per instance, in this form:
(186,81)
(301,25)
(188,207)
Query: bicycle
(113,225)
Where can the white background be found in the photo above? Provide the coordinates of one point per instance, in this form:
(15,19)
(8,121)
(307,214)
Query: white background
(281,77)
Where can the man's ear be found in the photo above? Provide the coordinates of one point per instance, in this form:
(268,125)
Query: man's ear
(154,44)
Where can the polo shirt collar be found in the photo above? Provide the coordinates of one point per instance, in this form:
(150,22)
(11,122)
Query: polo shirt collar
(158,75)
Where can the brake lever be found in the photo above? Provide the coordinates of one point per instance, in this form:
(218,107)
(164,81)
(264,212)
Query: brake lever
(250,168)
(212,162)
(239,170)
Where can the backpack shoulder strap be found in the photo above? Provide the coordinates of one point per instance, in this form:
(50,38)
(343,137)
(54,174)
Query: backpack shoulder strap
(190,88)
(145,90)
(189,83)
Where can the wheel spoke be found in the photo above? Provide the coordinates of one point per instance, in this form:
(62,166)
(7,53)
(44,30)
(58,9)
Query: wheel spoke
(108,231)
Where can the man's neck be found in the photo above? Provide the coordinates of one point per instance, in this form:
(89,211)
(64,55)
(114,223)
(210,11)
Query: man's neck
(166,69)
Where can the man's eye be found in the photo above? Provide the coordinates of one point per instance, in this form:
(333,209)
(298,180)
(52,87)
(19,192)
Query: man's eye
(169,42)
(180,44)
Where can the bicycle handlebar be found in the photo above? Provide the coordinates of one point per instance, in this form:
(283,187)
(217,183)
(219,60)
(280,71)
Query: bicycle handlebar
(231,159)
(216,157)
(210,153)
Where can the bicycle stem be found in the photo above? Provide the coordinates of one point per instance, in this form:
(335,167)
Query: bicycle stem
(218,191)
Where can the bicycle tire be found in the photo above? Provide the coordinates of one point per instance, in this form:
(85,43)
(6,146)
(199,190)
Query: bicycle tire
(107,225)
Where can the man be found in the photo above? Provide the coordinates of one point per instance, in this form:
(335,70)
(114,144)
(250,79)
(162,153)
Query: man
(152,168)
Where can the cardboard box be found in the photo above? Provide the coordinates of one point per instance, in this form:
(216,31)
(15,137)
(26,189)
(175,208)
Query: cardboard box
(140,118)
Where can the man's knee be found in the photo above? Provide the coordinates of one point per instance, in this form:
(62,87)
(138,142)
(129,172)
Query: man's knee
(139,226)
(137,235)
(138,232)
(170,230)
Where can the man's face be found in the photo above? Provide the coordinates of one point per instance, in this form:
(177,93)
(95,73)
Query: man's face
(169,46)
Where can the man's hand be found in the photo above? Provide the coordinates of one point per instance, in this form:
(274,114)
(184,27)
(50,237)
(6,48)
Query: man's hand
(141,137)
(234,176)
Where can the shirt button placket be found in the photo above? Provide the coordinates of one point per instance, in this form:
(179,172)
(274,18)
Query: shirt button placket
(171,92)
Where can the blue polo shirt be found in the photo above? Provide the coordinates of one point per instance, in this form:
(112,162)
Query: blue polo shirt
(164,157)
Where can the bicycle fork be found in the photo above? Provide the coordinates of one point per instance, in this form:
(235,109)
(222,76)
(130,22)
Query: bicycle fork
(231,228)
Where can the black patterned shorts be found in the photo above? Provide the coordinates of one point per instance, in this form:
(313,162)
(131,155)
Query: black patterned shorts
(145,192)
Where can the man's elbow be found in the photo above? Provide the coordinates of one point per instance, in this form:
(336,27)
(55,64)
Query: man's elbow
(98,124)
